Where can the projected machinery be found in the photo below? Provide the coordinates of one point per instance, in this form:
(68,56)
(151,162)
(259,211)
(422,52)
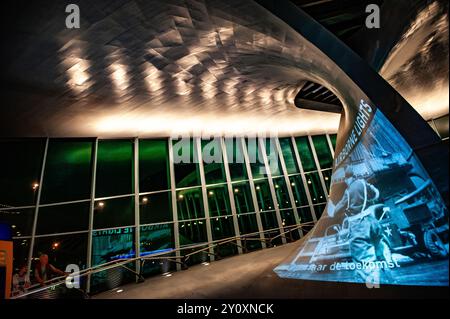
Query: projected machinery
(385,222)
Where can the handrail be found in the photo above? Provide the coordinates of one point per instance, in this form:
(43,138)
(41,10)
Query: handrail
(123,261)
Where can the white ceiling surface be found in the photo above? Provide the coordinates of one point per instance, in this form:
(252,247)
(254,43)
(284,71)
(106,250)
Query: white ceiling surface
(158,68)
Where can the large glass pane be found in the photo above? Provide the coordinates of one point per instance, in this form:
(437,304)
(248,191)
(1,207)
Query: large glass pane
(269,220)
(287,217)
(327,177)
(20,168)
(315,188)
(63,250)
(323,151)
(305,152)
(243,198)
(282,193)
(299,190)
(263,195)
(236,161)
(273,158)
(247,224)
(319,210)
(114,168)
(67,171)
(288,155)
(20,220)
(108,245)
(192,232)
(153,165)
(114,212)
(63,218)
(218,201)
(222,227)
(213,161)
(305,214)
(190,204)
(185,163)
(256,158)
(156,238)
(333,140)
(155,208)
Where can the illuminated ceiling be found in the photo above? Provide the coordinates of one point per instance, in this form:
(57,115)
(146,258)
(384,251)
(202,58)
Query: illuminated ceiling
(156,68)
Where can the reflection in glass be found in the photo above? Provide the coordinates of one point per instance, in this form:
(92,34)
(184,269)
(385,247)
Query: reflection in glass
(213,161)
(114,168)
(247,224)
(323,151)
(235,158)
(189,203)
(282,193)
(67,171)
(185,163)
(222,227)
(114,212)
(20,220)
(218,201)
(288,155)
(299,190)
(153,165)
(155,208)
(263,195)
(305,152)
(243,198)
(315,188)
(192,232)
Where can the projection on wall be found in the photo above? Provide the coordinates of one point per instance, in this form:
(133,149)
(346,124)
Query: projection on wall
(384,223)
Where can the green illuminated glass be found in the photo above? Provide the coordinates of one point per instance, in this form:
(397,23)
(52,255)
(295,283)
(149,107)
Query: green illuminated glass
(315,188)
(333,140)
(222,227)
(282,193)
(213,161)
(319,209)
(236,161)
(192,232)
(185,163)
(323,151)
(111,244)
(256,159)
(114,212)
(327,178)
(20,220)
(54,219)
(156,237)
(155,208)
(289,156)
(263,195)
(305,214)
(305,152)
(67,171)
(298,190)
(273,158)
(218,201)
(20,168)
(243,198)
(114,168)
(190,204)
(269,220)
(247,224)
(153,165)
(287,217)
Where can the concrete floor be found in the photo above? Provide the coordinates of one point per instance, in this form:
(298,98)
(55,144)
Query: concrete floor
(251,276)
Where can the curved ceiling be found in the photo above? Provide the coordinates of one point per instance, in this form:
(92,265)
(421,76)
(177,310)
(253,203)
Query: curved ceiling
(158,68)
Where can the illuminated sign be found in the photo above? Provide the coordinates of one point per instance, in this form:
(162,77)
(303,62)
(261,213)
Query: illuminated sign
(384,223)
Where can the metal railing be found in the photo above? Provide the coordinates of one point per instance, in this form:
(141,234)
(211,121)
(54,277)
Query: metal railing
(56,287)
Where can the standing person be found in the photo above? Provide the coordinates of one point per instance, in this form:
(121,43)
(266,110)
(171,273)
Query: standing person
(44,270)
(367,238)
(21,281)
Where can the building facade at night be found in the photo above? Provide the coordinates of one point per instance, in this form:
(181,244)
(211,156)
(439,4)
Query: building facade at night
(161,135)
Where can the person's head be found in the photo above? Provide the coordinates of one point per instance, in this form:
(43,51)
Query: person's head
(349,176)
(43,259)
